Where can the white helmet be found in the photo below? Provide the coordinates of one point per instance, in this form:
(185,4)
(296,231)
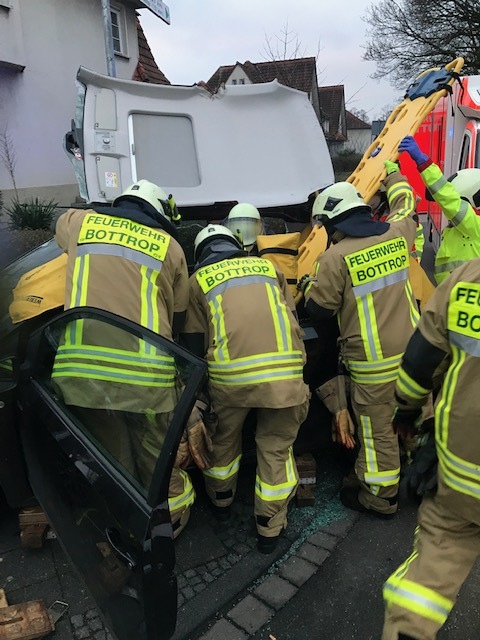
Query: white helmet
(467,183)
(151,193)
(213,232)
(337,199)
(245,222)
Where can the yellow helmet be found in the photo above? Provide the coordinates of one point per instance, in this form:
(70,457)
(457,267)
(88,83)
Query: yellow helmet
(245,222)
(151,193)
(336,200)
(213,232)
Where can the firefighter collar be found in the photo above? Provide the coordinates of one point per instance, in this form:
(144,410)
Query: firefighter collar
(360,224)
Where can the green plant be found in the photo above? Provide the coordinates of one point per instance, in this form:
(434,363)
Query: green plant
(32,214)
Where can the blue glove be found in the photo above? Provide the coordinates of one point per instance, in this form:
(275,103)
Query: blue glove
(410,145)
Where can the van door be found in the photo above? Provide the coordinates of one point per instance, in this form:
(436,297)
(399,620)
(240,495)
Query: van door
(113,524)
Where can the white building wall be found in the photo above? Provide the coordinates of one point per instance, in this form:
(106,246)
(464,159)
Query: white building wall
(52,38)
(238,74)
(359,139)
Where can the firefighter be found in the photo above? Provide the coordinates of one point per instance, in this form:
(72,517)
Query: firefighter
(245,222)
(459,199)
(125,259)
(241,318)
(445,348)
(363,277)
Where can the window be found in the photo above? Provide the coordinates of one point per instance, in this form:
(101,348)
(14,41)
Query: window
(234,82)
(118,31)
(465,151)
(241,81)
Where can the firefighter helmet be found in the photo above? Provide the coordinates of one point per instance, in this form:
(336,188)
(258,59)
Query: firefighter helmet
(149,192)
(336,200)
(213,232)
(245,222)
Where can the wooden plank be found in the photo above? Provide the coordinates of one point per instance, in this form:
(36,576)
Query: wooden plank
(3,599)
(33,536)
(31,515)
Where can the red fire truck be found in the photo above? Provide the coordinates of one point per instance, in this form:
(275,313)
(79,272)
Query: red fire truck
(450,135)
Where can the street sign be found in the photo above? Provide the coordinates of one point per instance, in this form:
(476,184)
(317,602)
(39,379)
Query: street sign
(159,8)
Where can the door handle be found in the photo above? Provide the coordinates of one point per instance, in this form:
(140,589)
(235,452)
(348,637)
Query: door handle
(114,539)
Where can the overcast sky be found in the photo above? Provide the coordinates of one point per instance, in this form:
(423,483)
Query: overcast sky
(206,34)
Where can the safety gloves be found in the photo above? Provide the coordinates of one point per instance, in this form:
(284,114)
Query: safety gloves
(406,422)
(410,145)
(196,443)
(391,167)
(333,395)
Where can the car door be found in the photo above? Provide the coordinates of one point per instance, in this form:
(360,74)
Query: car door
(114,526)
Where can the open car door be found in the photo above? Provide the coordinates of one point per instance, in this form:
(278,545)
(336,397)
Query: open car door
(114,526)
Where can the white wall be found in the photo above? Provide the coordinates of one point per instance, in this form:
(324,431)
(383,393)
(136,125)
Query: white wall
(359,139)
(238,74)
(52,38)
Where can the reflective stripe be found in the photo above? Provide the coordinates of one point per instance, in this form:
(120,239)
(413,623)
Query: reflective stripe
(407,209)
(249,362)
(419,599)
(376,372)
(220,353)
(383,478)
(112,375)
(462,212)
(459,464)
(414,314)
(280,319)
(397,188)
(377,365)
(448,266)
(121,355)
(121,252)
(437,185)
(380,283)
(266,376)
(78,297)
(283,490)
(369,445)
(374,378)
(442,412)
(368,327)
(470,345)
(223,473)
(409,387)
(186,498)
(220,288)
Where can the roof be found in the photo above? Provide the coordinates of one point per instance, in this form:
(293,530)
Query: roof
(147,69)
(297,73)
(332,101)
(353,122)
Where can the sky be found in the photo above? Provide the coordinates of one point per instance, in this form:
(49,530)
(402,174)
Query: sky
(206,34)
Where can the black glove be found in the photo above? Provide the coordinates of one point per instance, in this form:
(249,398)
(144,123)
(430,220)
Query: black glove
(406,422)
(420,476)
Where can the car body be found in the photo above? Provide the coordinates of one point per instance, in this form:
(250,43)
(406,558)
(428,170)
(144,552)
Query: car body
(260,144)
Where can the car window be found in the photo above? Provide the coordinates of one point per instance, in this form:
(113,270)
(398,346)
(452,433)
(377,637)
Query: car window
(120,390)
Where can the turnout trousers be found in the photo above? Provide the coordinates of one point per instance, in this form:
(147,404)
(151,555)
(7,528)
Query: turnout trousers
(276,478)
(135,441)
(421,593)
(378,462)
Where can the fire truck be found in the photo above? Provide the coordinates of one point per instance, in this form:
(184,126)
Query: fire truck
(450,135)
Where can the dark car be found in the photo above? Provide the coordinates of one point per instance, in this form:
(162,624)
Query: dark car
(48,452)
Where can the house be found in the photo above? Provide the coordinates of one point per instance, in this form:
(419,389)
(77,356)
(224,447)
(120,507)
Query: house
(42,45)
(359,133)
(298,73)
(332,104)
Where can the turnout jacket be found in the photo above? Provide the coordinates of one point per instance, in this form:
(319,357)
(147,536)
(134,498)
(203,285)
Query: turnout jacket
(136,271)
(241,318)
(446,348)
(365,280)
(461,239)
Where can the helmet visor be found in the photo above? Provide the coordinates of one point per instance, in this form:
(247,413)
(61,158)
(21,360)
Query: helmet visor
(246,229)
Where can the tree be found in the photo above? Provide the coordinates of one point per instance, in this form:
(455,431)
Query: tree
(360,113)
(408,36)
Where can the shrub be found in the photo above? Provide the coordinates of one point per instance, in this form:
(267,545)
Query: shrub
(32,214)
(347,160)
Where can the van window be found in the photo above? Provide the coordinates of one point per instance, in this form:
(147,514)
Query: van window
(165,151)
(465,151)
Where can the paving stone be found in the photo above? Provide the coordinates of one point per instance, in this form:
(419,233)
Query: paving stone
(224,629)
(83,633)
(190,574)
(297,571)
(96,624)
(27,567)
(194,581)
(250,614)
(275,591)
(92,613)
(188,593)
(200,587)
(324,540)
(77,621)
(208,577)
(100,635)
(224,563)
(313,554)
(242,549)
(233,558)
(181,581)
(212,565)
(340,528)
(229,542)
(180,600)
(217,572)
